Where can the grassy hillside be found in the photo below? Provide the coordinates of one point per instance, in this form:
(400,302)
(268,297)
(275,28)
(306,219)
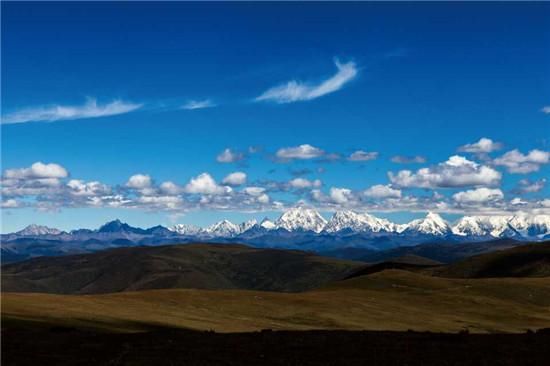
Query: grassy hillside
(201,266)
(524,261)
(387,300)
(443,252)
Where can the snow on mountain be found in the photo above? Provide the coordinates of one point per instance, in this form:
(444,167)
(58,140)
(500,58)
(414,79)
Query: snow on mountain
(432,224)
(267,224)
(503,226)
(184,229)
(342,220)
(247,225)
(301,218)
(223,229)
(33,230)
(481,226)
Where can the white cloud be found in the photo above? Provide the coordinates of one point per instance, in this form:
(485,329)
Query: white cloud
(457,171)
(302,152)
(546,109)
(229,156)
(479,195)
(80,188)
(295,91)
(517,162)
(198,104)
(170,188)
(205,184)
(302,183)
(254,191)
(483,146)
(526,186)
(37,170)
(139,181)
(235,179)
(58,112)
(9,203)
(340,195)
(263,199)
(400,159)
(361,155)
(160,202)
(382,191)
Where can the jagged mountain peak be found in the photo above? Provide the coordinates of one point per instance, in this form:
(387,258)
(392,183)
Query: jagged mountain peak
(360,222)
(34,229)
(432,224)
(301,218)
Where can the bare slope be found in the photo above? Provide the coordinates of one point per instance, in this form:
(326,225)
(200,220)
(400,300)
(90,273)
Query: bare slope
(525,261)
(387,300)
(202,266)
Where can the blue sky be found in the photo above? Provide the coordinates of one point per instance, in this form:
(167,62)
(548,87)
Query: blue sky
(100,92)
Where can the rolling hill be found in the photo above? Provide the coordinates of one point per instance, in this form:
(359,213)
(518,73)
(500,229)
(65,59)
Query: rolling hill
(388,300)
(524,261)
(201,266)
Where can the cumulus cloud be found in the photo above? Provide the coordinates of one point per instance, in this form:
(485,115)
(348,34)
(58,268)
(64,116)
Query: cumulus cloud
(361,155)
(235,179)
(340,195)
(478,195)
(254,191)
(457,171)
(170,188)
(198,104)
(37,170)
(91,109)
(139,181)
(205,184)
(546,109)
(295,91)
(382,191)
(229,156)
(302,183)
(9,203)
(81,188)
(401,159)
(483,146)
(527,186)
(302,152)
(519,163)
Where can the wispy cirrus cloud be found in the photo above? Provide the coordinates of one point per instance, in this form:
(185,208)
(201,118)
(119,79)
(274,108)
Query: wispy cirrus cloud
(52,113)
(198,104)
(297,91)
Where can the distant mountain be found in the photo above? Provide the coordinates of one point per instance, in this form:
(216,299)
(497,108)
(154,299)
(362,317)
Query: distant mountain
(352,221)
(432,224)
(205,266)
(301,219)
(36,230)
(298,228)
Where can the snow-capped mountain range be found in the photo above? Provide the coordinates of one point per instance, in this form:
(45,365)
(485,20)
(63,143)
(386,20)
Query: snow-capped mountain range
(298,228)
(307,220)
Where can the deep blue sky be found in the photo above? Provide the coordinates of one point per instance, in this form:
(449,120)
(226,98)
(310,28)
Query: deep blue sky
(430,77)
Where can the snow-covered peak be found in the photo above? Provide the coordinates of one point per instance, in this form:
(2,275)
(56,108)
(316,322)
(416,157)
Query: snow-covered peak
(247,225)
(432,224)
(184,229)
(481,225)
(34,229)
(224,228)
(267,224)
(342,220)
(301,218)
